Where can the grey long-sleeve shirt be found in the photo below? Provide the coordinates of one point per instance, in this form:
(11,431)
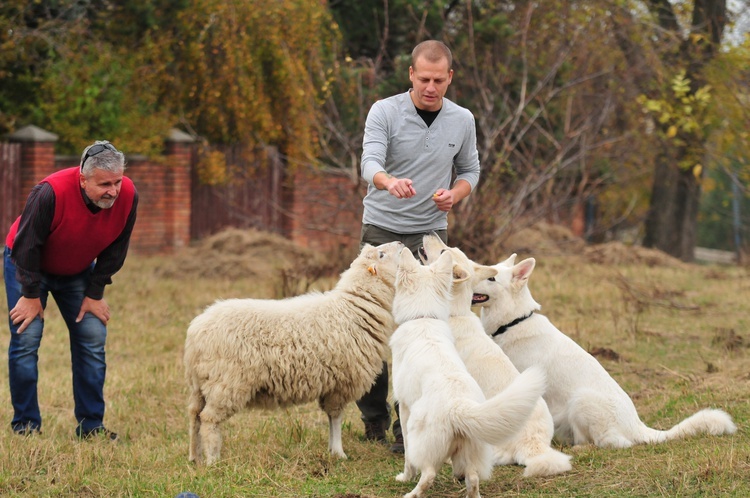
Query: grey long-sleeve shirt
(397,141)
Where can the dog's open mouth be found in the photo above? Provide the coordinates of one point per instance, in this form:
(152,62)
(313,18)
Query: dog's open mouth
(479,298)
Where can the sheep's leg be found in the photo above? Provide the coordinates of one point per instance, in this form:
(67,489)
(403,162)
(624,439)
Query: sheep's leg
(334,435)
(195,405)
(210,435)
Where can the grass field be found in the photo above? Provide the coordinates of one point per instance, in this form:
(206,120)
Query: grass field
(674,337)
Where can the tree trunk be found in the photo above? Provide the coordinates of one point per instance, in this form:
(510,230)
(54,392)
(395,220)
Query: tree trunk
(673,215)
(671,224)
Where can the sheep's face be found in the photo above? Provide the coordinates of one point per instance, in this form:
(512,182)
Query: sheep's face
(382,260)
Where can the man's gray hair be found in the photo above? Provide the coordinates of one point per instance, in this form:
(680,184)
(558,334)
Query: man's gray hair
(110,159)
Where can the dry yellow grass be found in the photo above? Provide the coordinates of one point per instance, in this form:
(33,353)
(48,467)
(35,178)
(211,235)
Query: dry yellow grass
(680,333)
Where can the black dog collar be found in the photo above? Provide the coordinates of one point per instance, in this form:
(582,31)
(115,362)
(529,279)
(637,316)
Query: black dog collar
(505,327)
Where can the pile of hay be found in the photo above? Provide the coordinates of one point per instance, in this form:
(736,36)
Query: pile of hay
(244,253)
(617,253)
(543,239)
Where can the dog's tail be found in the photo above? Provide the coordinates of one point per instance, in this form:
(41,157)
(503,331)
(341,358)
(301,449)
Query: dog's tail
(707,421)
(547,463)
(501,416)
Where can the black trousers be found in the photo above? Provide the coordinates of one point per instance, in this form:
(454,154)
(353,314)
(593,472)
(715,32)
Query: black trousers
(374,405)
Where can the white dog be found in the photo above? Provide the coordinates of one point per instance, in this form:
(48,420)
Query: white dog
(587,404)
(492,369)
(443,411)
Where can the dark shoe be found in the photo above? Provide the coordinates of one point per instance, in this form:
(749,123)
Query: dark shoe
(98,432)
(26,429)
(398,445)
(375,431)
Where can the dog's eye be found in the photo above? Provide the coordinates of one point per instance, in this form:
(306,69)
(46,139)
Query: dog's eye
(491,279)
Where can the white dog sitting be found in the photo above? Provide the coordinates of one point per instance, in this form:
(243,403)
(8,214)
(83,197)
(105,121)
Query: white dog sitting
(587,404)
(443,411)
(492,369)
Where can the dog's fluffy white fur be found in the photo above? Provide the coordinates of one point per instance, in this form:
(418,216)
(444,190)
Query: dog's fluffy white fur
(492,369)
(443,411)
(587,404)
(325,347)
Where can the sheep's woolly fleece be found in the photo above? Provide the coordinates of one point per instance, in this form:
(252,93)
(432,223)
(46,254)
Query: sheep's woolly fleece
(265,353)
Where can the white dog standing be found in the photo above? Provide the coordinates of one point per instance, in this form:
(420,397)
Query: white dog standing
(492,369)
(587,404)
(443,411)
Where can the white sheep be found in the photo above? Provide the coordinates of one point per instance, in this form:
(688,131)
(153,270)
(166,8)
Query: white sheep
(265,353)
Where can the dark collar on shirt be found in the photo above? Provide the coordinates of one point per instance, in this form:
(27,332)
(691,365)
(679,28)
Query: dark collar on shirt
(427,116)
(89,203)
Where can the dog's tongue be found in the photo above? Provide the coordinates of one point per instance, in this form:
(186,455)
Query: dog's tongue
(478,298)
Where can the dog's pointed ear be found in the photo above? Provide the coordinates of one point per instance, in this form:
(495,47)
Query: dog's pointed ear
(444,263)
(406,258)
(482,272)
(510,261)
(522,272)
(460,274)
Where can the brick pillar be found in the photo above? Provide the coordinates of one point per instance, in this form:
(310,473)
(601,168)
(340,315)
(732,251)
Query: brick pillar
(180,148)
(37,157)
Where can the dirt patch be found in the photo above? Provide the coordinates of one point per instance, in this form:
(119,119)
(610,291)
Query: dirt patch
(728,339)
(245,253)
(605,353)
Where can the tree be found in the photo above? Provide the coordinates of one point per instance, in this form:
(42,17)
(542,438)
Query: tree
(554,130)
(238,73)
(672,79)
(560,97)
(227,71)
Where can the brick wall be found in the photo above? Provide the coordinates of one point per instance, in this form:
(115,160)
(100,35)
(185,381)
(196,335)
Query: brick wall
(163,187)
(325,211)
(314,208)
(38,160)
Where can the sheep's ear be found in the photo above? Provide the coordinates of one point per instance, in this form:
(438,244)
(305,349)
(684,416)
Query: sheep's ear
(522,272)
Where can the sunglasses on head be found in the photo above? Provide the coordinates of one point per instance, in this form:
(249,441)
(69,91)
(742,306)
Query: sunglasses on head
(97,149)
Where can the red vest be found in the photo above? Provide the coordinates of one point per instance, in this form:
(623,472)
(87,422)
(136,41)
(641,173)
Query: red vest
(77,236)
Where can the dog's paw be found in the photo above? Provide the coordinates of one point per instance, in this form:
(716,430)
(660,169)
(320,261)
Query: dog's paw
(402,477)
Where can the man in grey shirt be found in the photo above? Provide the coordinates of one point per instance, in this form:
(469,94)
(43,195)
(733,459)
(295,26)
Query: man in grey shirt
(413,145)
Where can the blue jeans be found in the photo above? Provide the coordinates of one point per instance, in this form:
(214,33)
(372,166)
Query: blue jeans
(87,339)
